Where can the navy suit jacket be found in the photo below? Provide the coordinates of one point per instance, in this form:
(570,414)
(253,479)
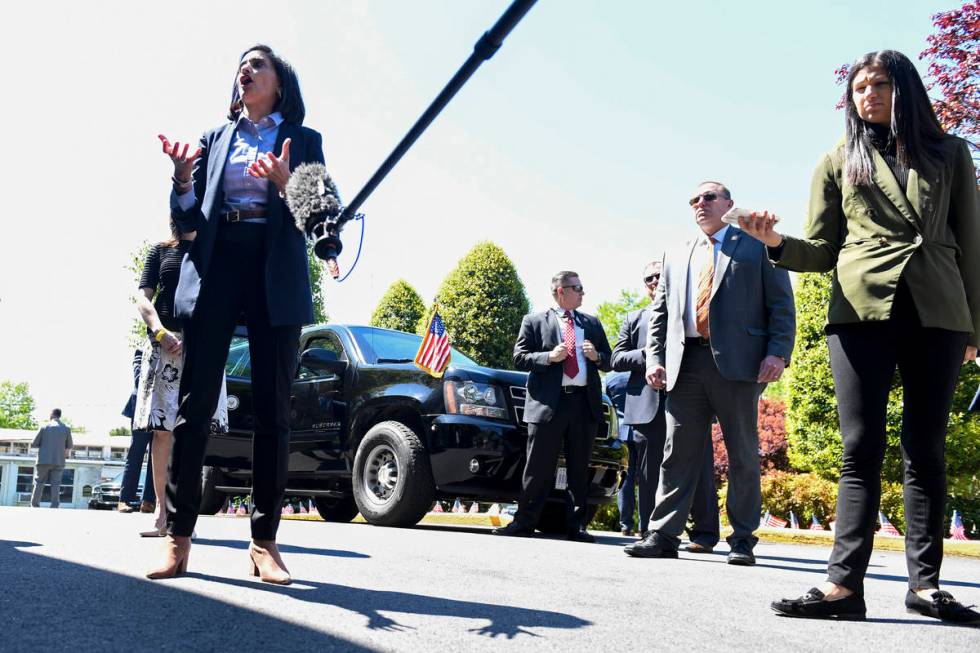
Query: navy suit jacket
(287,275)
(629,355)
(538,336)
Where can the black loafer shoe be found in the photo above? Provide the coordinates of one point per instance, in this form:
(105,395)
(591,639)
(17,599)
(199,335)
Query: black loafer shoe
(942,606)
(580,536)
(514,529)
(651,546)
(812,606)
(741,555)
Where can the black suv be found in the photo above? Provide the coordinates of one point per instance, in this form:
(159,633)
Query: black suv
(371,433)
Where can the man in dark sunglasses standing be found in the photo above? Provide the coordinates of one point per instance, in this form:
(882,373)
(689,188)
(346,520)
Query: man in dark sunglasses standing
(563,350)
(644,413)
(722,325)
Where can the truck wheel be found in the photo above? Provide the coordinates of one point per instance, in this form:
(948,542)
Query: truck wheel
(393,483)
(554,521)
(336,510)
(212,500)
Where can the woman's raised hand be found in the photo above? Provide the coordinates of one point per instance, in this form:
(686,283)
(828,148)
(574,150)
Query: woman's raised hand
(183,164)
(760,226)
(273,168)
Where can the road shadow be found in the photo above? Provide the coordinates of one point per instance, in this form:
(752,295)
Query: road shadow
(285,548)
(63,605)
(505,621)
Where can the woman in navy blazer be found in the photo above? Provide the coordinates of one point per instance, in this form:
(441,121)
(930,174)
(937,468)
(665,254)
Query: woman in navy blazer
(249,260)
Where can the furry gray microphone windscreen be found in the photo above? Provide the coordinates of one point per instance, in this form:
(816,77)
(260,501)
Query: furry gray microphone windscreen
(312,198)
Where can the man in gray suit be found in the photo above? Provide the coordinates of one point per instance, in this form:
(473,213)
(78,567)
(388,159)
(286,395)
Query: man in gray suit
(722,326)
(53,443)
(644,412)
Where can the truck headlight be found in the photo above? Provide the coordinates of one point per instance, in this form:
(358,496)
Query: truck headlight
(476,399)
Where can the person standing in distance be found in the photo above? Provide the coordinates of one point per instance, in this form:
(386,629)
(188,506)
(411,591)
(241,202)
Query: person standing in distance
(53,443)
(721,327)
(248,259)
(563,351)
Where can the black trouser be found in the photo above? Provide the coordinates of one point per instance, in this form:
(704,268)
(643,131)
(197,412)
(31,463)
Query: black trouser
(863,358)
(574,425)
(235,283)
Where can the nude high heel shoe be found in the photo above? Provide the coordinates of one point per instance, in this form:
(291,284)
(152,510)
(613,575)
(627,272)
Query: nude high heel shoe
(177,549)
(267,564)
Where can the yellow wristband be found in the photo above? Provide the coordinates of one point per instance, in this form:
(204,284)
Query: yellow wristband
(160,334)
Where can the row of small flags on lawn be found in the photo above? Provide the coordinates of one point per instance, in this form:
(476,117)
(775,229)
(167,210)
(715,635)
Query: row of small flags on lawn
(957,531)
(474,508)
(239,507)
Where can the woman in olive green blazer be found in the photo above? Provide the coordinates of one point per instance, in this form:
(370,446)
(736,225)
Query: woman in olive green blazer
(894,214)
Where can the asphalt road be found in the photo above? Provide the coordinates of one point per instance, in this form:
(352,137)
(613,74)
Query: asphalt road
(72,580)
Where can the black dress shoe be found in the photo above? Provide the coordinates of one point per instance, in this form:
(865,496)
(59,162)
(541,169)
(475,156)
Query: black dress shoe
(812,606)
(741,555)
(652,546)
(514,529)
(581,535)
(942,606)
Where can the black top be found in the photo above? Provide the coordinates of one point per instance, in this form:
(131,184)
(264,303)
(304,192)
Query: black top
(161,271)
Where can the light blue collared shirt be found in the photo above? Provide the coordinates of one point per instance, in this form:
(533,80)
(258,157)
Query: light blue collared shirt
(250,141)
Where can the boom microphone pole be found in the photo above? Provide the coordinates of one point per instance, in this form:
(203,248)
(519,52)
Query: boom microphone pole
(485,48)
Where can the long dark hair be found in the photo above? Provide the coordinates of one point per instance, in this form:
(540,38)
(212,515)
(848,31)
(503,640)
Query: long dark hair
(175,235)
(914,129)
(290,103)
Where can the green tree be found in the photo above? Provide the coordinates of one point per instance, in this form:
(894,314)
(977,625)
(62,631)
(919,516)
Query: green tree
(400,308)
(812,423)
(482,302)
(612,314)
(120,430)
(16,406)
(316,284)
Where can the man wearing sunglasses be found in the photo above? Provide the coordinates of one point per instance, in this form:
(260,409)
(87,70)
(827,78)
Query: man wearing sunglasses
(721,326)
(645,415)
(563,351)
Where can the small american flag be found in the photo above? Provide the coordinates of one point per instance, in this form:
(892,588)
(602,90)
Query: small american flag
(793,522)
(434,354)
(815,525)
(770,520)
(886,526)
(437,508)
(956,529)
(475,508)
(458,506)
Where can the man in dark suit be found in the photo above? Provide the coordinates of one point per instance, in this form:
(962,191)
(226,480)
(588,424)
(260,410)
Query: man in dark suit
(722,325)
(644,413)
(563,350)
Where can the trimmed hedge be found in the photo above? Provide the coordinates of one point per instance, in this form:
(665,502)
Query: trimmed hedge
(400,308)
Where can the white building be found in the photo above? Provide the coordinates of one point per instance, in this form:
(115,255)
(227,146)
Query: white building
(94,458)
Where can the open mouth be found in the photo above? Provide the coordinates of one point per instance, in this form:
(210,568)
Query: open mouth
(244,81)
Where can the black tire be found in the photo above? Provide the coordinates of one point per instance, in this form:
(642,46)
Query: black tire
(393,483)
(336,510)
(212,500)
(554,520)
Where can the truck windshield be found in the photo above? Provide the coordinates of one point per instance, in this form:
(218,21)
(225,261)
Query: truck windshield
(384,345)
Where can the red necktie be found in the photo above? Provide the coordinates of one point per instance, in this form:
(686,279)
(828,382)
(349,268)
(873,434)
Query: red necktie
(571,361)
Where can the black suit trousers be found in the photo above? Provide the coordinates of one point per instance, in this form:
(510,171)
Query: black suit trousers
(863,359)
(574,426)
(234,285)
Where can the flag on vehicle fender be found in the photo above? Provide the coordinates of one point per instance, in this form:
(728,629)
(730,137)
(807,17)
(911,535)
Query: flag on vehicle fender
(434,354)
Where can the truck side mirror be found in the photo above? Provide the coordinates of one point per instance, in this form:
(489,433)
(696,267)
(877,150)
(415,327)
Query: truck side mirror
(322,362)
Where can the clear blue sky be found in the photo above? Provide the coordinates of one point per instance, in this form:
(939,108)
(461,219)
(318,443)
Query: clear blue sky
(576,146)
